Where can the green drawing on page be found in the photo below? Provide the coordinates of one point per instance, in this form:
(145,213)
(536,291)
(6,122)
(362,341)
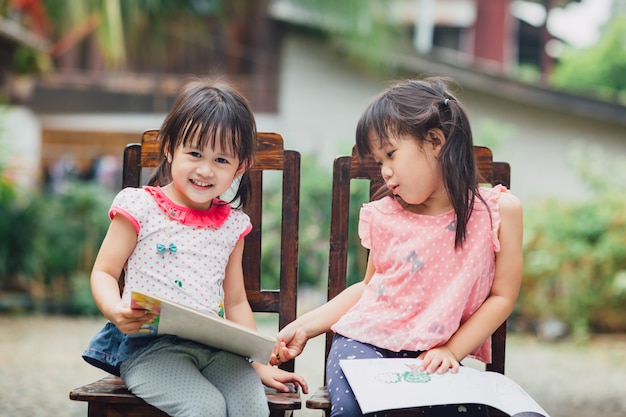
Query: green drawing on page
(414,376)
(408,376)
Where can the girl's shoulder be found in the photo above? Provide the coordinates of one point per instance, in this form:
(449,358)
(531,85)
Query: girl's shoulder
(495,196)
(386,205)
(131,195)
(508,203)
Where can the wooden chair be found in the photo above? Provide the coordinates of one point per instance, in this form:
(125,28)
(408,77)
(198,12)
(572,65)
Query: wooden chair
(108,397)
(347,168)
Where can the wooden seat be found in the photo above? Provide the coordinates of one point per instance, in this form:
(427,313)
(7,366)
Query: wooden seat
(108,397)
(348,168)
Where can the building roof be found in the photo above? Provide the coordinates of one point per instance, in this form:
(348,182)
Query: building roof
(507,88)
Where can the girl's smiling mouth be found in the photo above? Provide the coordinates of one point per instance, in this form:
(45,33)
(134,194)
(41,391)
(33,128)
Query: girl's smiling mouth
(200,183)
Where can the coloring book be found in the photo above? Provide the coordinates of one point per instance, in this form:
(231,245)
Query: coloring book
(211,330)
(388,384)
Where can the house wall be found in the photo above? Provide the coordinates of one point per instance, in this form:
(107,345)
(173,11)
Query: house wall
(540,142)
(322,97)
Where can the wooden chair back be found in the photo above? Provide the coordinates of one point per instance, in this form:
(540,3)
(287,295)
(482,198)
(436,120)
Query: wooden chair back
(271,156)
(109,393)
(348,168)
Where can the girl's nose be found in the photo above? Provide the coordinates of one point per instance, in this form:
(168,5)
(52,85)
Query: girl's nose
(205,170)
(386,172)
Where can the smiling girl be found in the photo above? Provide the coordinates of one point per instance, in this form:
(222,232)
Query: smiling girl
(177,239)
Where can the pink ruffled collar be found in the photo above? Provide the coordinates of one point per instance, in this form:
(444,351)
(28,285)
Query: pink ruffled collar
(214,216)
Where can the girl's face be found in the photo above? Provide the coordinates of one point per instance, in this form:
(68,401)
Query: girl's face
(411,171)
(199,176)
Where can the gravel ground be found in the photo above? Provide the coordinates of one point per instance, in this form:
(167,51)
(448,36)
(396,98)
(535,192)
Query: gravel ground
(40,363)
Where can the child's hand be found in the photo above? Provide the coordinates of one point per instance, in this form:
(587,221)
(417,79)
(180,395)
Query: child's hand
(440,360)
(289,344)
(128,320)
(277,378)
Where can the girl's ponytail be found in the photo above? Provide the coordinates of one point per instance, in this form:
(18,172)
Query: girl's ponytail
(161,176)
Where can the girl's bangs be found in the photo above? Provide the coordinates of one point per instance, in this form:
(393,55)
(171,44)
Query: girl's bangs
(378,124)
(220,133)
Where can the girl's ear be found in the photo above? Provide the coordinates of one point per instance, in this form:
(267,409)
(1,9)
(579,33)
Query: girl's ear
(243,167)
(437,139)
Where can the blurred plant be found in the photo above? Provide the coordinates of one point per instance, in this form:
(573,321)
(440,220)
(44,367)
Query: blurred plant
(575,252)
(74,223)
(314,222)
(121,27)
(364,30)
(599,69)
(19,221)
(313,231)
(80,301)
(30,61)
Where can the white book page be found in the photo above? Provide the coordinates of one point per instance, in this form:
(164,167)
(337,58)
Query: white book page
(387,384)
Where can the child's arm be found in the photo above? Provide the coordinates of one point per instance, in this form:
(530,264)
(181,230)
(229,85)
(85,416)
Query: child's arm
(118,244)
(238,309)
(501,300)
(293,337)
(236,306)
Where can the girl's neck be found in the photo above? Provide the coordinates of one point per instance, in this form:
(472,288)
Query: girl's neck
(438,203)
(427,209)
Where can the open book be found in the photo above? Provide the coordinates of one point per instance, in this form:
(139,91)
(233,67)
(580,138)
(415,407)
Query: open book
(388,384)
(211,330)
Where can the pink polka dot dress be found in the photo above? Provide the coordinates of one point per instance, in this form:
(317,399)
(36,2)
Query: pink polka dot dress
(181,253)
(423,289)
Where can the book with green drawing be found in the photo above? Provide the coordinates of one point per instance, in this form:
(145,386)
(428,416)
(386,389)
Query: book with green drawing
(175,319)
(395,383)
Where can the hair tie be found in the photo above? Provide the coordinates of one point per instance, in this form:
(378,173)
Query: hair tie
(445,102)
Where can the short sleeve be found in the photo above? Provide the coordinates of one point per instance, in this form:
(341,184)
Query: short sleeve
(242,222)
(130,203)
(492,197)
(365,218)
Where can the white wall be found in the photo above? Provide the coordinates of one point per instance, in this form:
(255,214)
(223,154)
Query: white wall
(20,139)
(322,97)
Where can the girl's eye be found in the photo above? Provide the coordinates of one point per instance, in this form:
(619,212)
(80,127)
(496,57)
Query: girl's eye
(221,160)
(195,154)
(390,154)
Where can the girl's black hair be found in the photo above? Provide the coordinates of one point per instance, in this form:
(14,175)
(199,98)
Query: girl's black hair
(413,108)
(206,113)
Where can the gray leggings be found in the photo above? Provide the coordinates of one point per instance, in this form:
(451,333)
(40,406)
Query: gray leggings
(186,379)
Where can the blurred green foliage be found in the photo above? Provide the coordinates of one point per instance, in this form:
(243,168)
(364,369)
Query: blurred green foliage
(575,251)
(18,225)
(30,61)
(73,224)
(121,27)
(597,70)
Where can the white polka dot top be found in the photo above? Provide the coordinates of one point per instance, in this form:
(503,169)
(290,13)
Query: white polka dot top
(423,288)
(181,253)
